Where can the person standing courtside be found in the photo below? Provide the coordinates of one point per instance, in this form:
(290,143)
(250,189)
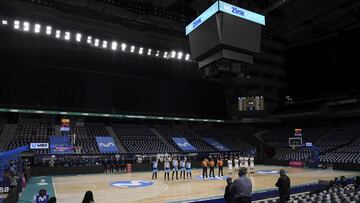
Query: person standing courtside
(212,166)
(175,164)
(166,169)
(188,169)
(227,195)
(154,169)
(220,164)
(205,164)
(230,165)
(241,189)
(283,184)
(182,168)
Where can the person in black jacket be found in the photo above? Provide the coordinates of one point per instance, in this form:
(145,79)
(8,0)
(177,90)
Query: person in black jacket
(283,184)
(357,182)
(227,195)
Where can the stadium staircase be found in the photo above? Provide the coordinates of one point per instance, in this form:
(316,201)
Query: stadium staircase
(163,140)
(116,139)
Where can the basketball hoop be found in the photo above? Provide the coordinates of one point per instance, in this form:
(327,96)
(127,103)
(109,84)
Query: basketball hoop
(293,147)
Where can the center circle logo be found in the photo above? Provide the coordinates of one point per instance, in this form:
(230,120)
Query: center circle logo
(131,183)
(267,172)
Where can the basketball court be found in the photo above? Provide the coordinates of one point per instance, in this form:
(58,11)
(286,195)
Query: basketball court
(138,187)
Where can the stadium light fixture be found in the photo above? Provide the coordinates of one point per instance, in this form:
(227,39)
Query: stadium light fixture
(157,53)
(114,45)
(89,39)
(26,26)
(48,30)
(37,28)
(16,24)
(149,52)
(123,47)
(179,55)
(57,33)
(165,54)
(141,50)
(96,42)
(132,49)
(67,36)
(187,57)
(78,37)
(4,22)
(104,44)
(173,54)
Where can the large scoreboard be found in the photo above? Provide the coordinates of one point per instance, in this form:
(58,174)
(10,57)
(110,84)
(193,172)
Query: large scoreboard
(252,103)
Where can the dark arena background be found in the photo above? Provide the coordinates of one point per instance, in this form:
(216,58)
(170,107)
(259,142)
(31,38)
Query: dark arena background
(113,101)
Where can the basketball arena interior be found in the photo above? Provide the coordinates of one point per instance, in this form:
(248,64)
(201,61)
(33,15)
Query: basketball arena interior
(117,101)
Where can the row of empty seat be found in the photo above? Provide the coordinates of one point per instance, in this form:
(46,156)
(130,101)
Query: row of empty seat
(140,139)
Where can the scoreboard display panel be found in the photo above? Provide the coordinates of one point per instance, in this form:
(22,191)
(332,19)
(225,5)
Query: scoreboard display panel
(252,103)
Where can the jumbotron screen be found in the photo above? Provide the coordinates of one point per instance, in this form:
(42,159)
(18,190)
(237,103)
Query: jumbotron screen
(252,103)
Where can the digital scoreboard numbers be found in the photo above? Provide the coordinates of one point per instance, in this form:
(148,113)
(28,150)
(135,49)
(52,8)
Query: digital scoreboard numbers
(253,103)
(4,189)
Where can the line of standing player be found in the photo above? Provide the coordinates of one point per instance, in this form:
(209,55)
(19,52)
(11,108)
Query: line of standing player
(184,167)
(241,161)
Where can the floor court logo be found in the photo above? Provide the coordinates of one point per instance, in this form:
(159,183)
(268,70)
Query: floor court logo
(212,178)
(131,183)
(267,172)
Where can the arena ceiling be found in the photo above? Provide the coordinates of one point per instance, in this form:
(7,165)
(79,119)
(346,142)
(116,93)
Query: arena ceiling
(293,22)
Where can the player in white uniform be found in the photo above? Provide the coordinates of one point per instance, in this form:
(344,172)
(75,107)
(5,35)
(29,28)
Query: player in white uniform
(252,165)
(175,164)
(182,168)
(241,161)
(155,169)
(166,169)
(246,163)
(188,169)
(230,164)
(236,163)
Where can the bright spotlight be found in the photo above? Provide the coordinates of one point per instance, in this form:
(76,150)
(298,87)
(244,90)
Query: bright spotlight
(179,55)
(78,37)
(132,49)
(141,50)
(157,53)
(37,28)
(48,30)
(165,54)
(88,40)
(149,52)
(96,42)
(57,33)
(26,26)
(173,54)
(16,24)
(114,45)
(4,22)
(123,47)
(67,36)
(187,57)
(104,44)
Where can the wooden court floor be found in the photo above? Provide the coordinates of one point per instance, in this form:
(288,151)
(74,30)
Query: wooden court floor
(70,189)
